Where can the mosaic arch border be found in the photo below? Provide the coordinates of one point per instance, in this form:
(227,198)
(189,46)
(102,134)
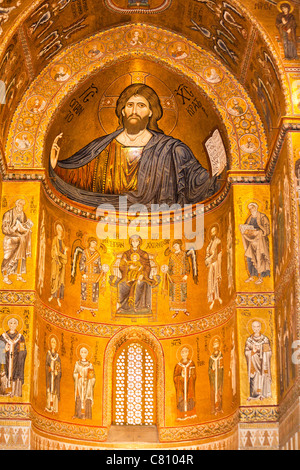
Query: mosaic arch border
(260,29)
(81,67)
(164,5)
(278,60)
(143,335)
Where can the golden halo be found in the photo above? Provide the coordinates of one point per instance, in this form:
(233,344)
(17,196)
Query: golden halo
(59,66)
(210,347)
(217,226)
(31,100)
(285,3)
(255,201)
(29,137)
(79,347)
(56,339)
(11,200)
(135,235)
(108,101)
(135,255)
(191,351)
(219,76)
(261,321)
(242,103)
(56,223)
(101,49)
(8,317)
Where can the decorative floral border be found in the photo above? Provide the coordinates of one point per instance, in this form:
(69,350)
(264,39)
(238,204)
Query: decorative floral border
(104,330)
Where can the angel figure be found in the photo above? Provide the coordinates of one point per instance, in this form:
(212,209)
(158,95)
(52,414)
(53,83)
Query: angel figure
(93,273)
(176,275)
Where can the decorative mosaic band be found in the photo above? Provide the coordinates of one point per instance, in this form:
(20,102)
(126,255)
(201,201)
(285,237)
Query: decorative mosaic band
(65,430)
(258,300)
(16,411)
(259,414)
(161,331)
(202,431)
(12,297)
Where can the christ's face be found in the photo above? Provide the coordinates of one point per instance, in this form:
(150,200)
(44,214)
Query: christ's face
(136,114)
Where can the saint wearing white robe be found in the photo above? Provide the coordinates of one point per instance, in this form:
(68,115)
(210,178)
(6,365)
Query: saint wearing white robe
(258,356)
(213,261)
(84,381)
(184,381)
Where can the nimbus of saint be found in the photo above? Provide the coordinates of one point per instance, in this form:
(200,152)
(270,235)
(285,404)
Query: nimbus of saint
(137,160)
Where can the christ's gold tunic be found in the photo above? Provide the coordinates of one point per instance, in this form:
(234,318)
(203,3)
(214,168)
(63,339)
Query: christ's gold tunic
(116,169)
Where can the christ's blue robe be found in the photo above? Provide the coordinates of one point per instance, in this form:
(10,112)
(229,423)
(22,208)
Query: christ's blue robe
(168,173)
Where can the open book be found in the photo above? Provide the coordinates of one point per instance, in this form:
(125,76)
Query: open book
(216,153)
(245,228)
(28,224)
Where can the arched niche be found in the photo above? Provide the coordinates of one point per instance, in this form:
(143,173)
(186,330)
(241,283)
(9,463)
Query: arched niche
(143,336)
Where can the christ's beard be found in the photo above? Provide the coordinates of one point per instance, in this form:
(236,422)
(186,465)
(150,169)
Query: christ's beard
(136,125)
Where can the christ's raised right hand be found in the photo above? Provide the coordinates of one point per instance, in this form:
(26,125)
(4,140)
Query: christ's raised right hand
(55,149)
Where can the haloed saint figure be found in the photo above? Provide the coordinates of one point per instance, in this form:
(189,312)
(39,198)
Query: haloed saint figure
(137,160)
